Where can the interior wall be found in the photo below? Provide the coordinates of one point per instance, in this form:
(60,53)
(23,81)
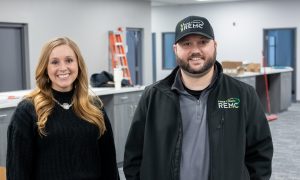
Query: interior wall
(86,22)
(242,41)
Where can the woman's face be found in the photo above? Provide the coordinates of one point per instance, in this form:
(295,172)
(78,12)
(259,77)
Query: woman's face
(62,68)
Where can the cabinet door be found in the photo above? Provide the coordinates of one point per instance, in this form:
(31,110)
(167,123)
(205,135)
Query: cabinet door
(286,90)
(122,111)
(108,104)
(124,108)
(122,117)
(5,116)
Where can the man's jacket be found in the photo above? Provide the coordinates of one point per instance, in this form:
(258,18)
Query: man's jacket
(239,136)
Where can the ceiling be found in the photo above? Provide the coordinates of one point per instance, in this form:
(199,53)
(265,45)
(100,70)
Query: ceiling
(181,2)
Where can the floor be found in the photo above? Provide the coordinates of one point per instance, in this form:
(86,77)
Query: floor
(286,139)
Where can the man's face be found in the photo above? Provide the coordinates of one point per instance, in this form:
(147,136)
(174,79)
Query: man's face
(195,54)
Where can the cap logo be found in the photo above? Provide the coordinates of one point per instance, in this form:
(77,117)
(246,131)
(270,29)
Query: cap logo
(191,25)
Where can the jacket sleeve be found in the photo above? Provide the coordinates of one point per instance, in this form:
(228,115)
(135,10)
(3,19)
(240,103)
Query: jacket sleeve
(109,168)
(259,147)
(134,145)
(20,144)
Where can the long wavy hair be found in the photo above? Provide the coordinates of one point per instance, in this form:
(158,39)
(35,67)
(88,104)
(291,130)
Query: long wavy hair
(85,106)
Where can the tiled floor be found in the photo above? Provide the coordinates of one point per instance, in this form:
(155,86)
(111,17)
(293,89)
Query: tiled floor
(286,139)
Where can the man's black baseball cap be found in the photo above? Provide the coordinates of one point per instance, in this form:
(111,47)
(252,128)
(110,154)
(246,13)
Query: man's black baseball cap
(193,25)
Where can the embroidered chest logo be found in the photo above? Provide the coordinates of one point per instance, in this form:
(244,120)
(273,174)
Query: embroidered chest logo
(231,103)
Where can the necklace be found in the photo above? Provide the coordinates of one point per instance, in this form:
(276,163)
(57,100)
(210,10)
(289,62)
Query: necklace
(66,106)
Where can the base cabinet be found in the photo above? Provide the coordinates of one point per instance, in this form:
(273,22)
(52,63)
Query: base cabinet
(285,90)
(279,89)
(5,116)
(120,109)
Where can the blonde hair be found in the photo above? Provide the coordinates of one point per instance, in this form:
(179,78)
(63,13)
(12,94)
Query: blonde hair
(85,106)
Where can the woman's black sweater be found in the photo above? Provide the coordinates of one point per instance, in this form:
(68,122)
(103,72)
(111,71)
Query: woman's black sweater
(72,149)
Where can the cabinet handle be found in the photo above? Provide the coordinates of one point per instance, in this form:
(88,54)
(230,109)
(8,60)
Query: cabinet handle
(3,115)
(124,97)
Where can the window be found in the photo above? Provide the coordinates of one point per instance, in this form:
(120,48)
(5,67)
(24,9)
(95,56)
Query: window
(272,50)
(168,58)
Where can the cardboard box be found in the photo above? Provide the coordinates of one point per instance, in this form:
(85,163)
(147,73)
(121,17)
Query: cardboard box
(253,67)
(231,64)
(233,67)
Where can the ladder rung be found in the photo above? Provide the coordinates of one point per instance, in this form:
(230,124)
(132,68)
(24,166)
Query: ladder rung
(120,55)
(124,67)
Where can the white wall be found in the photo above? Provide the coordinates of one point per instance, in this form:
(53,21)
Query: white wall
(87,22)
(241,42)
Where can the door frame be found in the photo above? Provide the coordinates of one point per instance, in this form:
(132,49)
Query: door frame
(24,50)
(265,54)
(139,61)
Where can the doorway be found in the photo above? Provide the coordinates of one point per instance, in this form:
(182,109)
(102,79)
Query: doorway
(14,61)
(280,51)
(134,54)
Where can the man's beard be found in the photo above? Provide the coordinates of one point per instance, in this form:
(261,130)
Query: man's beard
(208,63)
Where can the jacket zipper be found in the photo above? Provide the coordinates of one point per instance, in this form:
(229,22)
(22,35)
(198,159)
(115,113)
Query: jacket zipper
(211,149)
(220,127)
(176,161)
(221,122)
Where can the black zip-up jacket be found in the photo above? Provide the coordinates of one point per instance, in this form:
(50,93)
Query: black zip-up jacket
(240,140)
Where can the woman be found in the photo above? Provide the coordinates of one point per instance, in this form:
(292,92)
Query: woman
(59,131)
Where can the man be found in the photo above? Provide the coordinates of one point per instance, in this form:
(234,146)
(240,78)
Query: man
(198,123)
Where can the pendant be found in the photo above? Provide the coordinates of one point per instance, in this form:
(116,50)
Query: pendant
(66,106)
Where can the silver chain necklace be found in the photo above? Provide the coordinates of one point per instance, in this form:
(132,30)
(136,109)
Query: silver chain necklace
(66,106)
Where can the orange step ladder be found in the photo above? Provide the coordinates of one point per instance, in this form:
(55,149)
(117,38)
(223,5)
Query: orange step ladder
(118,54)
(2,173)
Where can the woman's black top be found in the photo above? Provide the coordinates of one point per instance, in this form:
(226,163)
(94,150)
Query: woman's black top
(72,149)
